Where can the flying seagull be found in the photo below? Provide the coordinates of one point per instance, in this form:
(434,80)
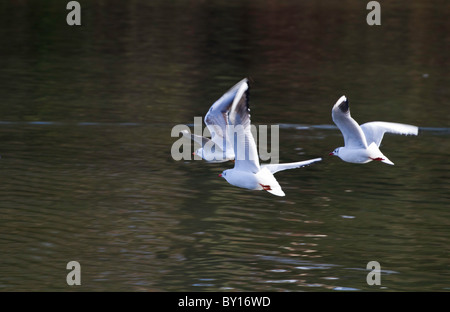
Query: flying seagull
(362,142)
(247,172)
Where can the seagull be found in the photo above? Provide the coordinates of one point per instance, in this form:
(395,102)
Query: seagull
(219,148)
(247,172)
(362,142)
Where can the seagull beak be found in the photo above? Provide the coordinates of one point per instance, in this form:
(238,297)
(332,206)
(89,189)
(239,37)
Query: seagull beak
(220,175)
(331,154)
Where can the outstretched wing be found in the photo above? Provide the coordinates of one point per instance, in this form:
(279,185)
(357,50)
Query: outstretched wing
(274,168)
(217,117)
(375,130)
(246,154)
(352,132)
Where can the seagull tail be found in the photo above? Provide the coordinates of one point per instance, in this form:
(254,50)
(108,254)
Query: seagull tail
(387,161)
(376,154)
(277,191)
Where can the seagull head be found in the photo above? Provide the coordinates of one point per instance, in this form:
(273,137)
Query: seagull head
(223,174)
(335,152)
(198,152)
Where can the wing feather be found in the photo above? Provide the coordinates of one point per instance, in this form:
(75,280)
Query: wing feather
(217,119)
(352,132)
(274,168)
(246,153)
(375,130)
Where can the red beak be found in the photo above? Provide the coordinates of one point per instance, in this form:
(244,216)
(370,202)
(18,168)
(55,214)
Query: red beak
(220,175)
(331,154)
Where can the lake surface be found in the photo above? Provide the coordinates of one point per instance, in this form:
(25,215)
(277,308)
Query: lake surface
(86,114)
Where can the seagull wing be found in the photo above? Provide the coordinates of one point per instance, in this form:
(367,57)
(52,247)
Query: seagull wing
(246,154)
(375,130)
(274,168)
(217,117)
(352,132)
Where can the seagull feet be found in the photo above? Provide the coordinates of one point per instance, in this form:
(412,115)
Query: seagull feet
(377,159)
(266,187)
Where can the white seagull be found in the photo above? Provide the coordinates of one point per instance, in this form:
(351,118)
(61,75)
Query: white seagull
(362,142)
(219,148)
(247,172)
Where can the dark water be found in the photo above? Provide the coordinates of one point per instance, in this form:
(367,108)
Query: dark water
(86,172)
